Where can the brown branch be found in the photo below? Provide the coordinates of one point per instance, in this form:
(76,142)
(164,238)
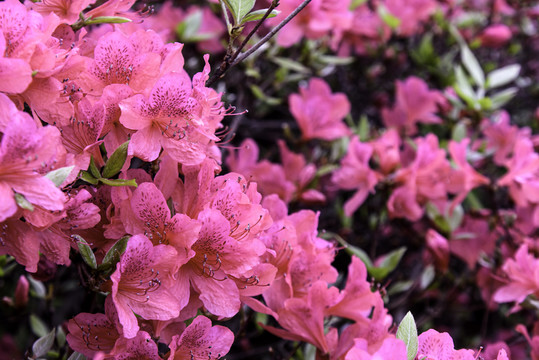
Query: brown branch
(229,62)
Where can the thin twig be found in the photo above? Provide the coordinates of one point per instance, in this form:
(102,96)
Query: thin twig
(271,33)
(272,7)
(227,63)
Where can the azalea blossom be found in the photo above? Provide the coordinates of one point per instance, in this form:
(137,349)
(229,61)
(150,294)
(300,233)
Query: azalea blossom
(319,112)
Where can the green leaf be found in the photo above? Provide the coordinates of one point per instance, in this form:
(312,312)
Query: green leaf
(326,169)
(86,176)
(427,276)
(86,251)
(388,18)
(106,20)
(356,3)
(503,76)
(353,250)
(42,345)
(37,287)
(503,97)
(93,169)
(116,161)
(38,326)
(459,132)
(388,264)
(189,26)
(23,203)
(58,176)
(291,65)
(364,128)
(239,8)
(407,332)
(463,87)
(119,182)
(472,66)
(455,218)
(259,14)
(60,336)
(113,255)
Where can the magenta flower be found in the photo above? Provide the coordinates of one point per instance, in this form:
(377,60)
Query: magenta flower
(391,348)
(319,112)
(201,341)
(67,10)
(414,103)
(141,284)
(523,273)
(134,61)
(171,118)
(435,345)
(464,178)
(355,174)
(411,14)
(15,70)
(27,151)
(93,333)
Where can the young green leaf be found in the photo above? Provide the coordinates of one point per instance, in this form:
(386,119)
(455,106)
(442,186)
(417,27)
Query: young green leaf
(86,251)
(93,169)
(23,202)
(503,76)
(472,66)
(239,8)
(407,332)
(58,176)
(388,264)
(43,344)
(38,327)
(113,256)
(86,176)
(119,182)
(503,97)
(116,161)
(259,14)
(388,18)
(189,26)
(107,20)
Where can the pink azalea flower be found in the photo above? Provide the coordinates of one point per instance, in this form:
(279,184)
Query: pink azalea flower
(142,282)
(411,14)
(501,136)
(319,112)
(435,345)
(303,318)
(90,334)
(367,32)
(81,136)
(355,173)
(22,242)
(170,119)
(438,247)
(300,174)
(472,239)
(201,341)
(67,10)
(523,273)
(391,348)
(26,152)
(495,36)
(356,300)
(522,177)
(119,59)
(270,178)
(320,18)
(141,346)
(414,103)
(423,180)
(15,70)
(386,151)
(464,178)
